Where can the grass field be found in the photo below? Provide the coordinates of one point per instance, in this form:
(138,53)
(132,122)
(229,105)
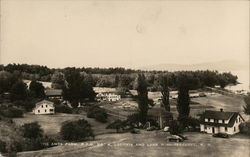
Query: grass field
(151,144)
(197,105)
(51,124)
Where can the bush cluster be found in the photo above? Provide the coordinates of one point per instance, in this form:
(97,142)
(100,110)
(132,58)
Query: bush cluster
(245,128)
(76,130)
(98,113)
(11,112)
(63,109)
(33,139)
(190,123)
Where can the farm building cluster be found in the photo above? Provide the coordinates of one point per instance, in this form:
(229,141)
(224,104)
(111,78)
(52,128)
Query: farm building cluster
(211,121)
(107,94)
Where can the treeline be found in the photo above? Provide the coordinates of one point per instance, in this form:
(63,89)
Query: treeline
(120,77)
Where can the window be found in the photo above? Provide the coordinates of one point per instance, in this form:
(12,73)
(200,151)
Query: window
(209,119)
(38,111)
(205,127)
(42,106)
(226,129)
(45,110)
(234,129)
(223,121)
(51,110)
(236,120)
(216,121)
(46,105)
(239,119)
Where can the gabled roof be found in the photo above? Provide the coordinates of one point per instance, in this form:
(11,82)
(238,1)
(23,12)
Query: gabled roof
(53,92)
(43,102)
(220,115)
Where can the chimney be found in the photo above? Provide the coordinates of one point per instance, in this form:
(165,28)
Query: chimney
(221,109)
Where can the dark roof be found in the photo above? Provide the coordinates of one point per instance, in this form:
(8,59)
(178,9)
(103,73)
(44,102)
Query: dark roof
(220,115)
(53,92)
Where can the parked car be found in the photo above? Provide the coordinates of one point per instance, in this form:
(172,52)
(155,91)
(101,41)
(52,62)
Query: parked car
(175,138)
(221,135)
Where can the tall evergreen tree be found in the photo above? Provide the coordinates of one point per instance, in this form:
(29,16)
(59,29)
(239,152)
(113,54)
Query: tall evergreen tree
(142,97)
(164,86)
(183,96)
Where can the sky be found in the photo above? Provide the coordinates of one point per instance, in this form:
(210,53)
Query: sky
(124,33)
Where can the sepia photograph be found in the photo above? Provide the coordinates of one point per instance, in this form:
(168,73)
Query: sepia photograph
(124,78)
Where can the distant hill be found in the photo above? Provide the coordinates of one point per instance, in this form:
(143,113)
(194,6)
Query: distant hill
(226,65)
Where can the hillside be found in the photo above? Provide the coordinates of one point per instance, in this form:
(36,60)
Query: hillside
(225,65)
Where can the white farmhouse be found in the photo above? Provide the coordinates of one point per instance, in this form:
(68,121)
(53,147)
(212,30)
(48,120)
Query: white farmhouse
(220,122)
(44,107)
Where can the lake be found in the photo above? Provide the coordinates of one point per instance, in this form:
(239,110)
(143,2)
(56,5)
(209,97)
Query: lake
(243,78)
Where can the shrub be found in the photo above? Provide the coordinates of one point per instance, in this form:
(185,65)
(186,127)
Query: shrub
(28,104)
(3,146)
(32,130)
(33,144)
(12,112)
(16,146)
(37,144)
(63,109)
(175,127)
(245,128)
(190,122)
(133,119)
(48,141)
(76,130)
(98,113)
(118,124)
(101,116)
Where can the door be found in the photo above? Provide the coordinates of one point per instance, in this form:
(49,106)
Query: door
(213,130)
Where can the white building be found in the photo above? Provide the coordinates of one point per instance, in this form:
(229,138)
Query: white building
(44,107)
(108,96)
(221,122)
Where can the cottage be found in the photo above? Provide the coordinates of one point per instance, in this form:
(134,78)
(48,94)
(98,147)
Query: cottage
(220,122)
(44,107)
(53,93)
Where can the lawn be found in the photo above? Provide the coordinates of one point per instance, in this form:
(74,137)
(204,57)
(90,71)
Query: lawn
(151,144)
(197,105)
(51,124)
